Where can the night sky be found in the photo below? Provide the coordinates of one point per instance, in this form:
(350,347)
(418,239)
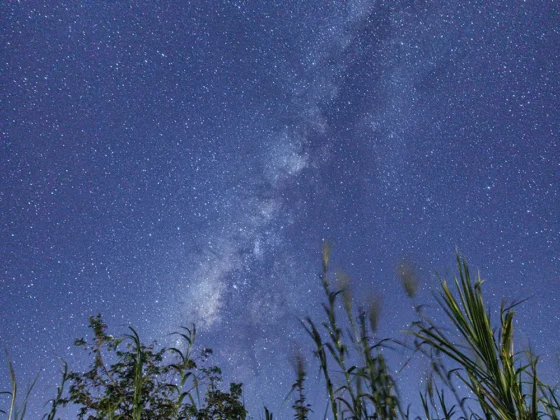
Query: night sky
(169,162)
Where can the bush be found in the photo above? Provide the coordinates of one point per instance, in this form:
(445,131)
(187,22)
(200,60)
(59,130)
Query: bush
(145,383)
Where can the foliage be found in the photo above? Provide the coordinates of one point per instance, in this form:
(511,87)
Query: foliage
(131,381)
(144,383)
(505,384)
(300,406)
(359,384)
(367,389)
(14,412)
(221,405)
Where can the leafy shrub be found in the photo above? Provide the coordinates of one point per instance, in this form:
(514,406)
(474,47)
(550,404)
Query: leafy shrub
(144,383)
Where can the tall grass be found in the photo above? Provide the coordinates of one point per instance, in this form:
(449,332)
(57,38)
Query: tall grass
(503,383)
(56,401)
(359,385)
(14,412)
(301,407)
(365,388)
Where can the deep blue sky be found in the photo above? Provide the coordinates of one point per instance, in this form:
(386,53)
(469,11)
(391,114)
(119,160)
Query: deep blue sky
(169,162)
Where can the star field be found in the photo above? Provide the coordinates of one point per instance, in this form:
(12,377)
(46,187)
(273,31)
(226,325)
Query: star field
(170,162)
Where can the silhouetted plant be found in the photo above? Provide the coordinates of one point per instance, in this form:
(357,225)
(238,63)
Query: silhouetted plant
(56,401)
(15,412)
(367,389)
(145,383)
(131,381)
(300,406)
(220,405)
(505,386)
